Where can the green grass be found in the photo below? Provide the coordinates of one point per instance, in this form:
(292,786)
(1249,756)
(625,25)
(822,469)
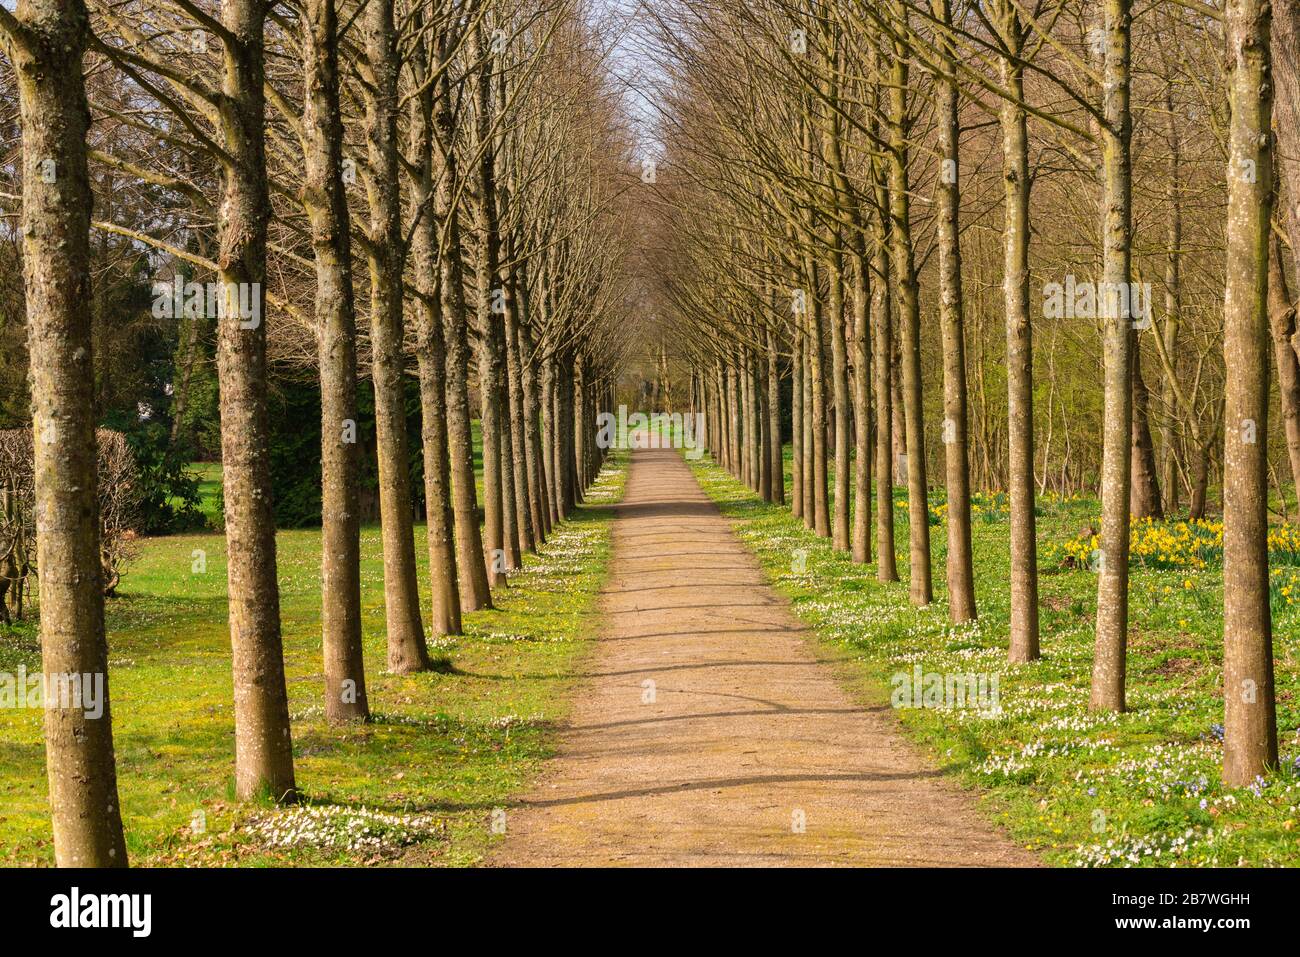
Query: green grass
(1140,788)
(209,474)
(447,748)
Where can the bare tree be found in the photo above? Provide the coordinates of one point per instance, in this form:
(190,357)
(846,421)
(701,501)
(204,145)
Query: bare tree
(45,41)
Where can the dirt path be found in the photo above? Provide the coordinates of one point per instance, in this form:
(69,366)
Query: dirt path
(706,730)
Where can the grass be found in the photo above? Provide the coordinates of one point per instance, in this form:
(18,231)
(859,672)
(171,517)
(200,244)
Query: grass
(1135,789)
(422,784)
(209,475)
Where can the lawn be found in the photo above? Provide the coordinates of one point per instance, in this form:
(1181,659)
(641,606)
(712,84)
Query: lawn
(1134,789)
(209,476)
(422,784)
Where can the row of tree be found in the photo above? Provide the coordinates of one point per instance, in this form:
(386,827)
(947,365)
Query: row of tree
(471,153)
(857,174)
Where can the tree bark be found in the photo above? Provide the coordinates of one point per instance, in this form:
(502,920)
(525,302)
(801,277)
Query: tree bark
(550,440)
(756,420)
(491,311)
(407,651)
(1017,183)
(809,447)
(1168,457)
(514,392)
(335,305)
(532,438)
(431,356)
(1144,495)
(797,452)
(960,572)
(1250,720)
(1285,66)
(862,405)
(886,560)
(46,42)
(775,450)
(918,507)
(263,746)
(1109,659)
(1281,312)
(475,593)
(841,528)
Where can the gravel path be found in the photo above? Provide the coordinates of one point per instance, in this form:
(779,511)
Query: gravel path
(705,731)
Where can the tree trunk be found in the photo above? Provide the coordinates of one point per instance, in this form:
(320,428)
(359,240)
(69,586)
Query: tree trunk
(1144,496)
(1200,480)
(762,428)
(431,355)
(961,574)
(517,472)
(886,560)
(575,424)
(1285,50)
(862,405)
(918,507)
(550,440)
(1281,312)
(775,450)
(407,651)
(327,210)
(1250,721)
(564,436)
(475,593)
(46,47)
(1023,639)
(1108,666)
(734,456)
(809,448)
(444,577)
(840,529)
(533,456)
(263,747)
(796,422)
(491,312)
(756,420)
(817,374)
(1173,309)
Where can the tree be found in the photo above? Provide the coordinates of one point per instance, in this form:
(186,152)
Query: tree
(1017,182)
(407,651)
(1109,658)
(909,319)
(327,208)
(961,574)
(1250,723)
(45,41)
(263,746)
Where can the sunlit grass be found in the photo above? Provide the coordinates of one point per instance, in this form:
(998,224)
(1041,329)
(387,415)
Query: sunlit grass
(446,748)
(1140,788)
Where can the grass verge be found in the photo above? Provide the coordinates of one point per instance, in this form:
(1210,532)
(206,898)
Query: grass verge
(417,786)
(1135,789)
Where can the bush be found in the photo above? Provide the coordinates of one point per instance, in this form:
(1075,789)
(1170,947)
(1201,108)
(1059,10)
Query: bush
(166,489)
(118,514)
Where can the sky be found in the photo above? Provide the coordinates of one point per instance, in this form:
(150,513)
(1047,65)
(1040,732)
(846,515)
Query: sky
(632,68)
